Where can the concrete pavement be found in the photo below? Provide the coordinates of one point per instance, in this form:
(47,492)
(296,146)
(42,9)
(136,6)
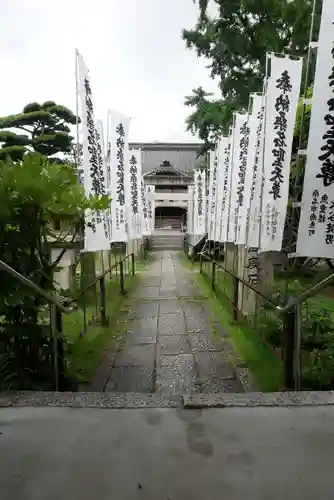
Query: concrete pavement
(169,454)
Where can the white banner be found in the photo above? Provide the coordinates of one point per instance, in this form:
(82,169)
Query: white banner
(150,194)
(253,232)
(190,216)
(135,203)
(238,164)
(244,210)
(212,198)
(96,224)
(316,225)
(199,202)
(240,237)
(223,151)
(119,164)
(145,219)
(225,205)
(281,107)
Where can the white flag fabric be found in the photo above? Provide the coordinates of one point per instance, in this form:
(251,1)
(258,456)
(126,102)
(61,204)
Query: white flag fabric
(242,173)
(212,193)
(94,167)
(135,202)
(316,225)
(237,172)
(199,202)
(225,208)
(221,187)
(253,233)
(119,165)
(281,107)
(190,217)
(244,209)
(150,196)
(145,219)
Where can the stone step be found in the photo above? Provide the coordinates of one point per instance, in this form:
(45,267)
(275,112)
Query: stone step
(187,401)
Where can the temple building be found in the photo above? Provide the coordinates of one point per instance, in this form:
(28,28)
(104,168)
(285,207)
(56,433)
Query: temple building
(169,167)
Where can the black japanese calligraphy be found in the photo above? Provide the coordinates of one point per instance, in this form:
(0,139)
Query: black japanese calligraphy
(314,212)
(120,192)
(200,208)
(327,157)
(329,231)
(134,185)
(282,107)
(244,131)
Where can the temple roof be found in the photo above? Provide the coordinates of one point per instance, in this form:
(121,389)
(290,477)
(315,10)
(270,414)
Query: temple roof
(165,169)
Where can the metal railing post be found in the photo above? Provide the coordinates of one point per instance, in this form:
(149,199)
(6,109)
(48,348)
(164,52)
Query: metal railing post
(121,277)
(133,264)
(58,348)
(213,276)
(103,314)
(200,263)
(289,349)
(298,339)
(235,298)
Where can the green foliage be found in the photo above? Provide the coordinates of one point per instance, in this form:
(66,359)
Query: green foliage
(33,193)
(235,42)
(43,128)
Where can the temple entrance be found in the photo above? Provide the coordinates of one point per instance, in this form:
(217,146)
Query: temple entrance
(170,217)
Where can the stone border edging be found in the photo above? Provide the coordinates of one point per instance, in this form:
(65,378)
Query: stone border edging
(136,400)
(256,399)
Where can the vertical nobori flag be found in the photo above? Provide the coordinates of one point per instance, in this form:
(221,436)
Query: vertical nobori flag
(316,225)
(240,140)
(150,196)
(190,215)
(145,219)
(221,187)
(199,202)
(212,193)
(281,107)
(119,165)
(96,227)
(225,204)
(253,232)
(135,203)
(244,211)
(244,143)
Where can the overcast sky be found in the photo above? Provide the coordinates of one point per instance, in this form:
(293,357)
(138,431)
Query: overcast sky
(133,49)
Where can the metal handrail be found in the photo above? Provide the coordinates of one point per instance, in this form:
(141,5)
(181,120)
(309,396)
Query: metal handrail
(307,294)
(293,302)
(98,278)
(241,280)
(49,298)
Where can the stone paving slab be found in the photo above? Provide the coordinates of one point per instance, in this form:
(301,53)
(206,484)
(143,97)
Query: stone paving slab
(198,323)
(144,326)
(147,291)
(170,307)
(145,309)
(167,292)
(220,385)
(174,344)
(200,342)
(212,364)
(176,374)
(171,324)
(136,355)
(130,379)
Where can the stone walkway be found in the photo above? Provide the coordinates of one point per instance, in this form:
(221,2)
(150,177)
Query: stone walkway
(172,345)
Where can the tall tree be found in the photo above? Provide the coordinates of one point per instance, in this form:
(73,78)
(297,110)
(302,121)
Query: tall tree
(235,41)
(42,128)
